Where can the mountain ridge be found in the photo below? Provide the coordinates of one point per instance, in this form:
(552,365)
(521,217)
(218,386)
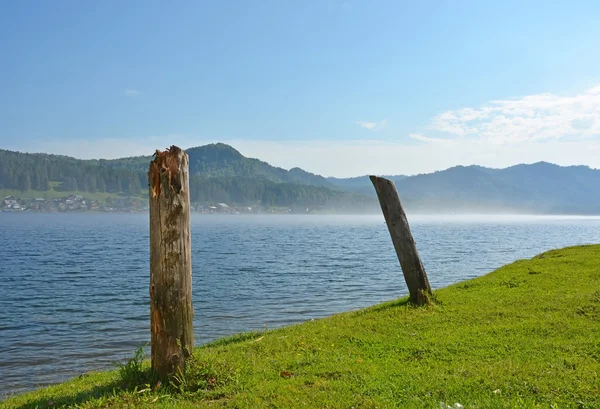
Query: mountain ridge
(148,158)
(220,172)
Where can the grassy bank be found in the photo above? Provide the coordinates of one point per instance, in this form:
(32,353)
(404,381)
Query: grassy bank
(55,192)
(526,335)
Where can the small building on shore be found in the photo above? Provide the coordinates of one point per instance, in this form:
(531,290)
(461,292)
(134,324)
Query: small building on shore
(223,208)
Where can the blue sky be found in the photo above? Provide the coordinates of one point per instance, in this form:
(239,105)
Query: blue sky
(336,87)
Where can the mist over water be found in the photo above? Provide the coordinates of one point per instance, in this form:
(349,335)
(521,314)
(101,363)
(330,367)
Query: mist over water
(75,286)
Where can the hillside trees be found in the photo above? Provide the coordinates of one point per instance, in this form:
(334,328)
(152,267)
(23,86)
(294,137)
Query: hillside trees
(221,174)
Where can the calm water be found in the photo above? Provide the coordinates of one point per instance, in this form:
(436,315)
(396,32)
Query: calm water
(75,287)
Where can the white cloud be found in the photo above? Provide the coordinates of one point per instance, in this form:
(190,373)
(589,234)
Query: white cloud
(541,117)
(372,126)
(131,92)
(561,129)
(367,125)
(423,138)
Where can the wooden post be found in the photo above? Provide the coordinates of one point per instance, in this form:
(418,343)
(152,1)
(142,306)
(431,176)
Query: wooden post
(171,312)
(395,218)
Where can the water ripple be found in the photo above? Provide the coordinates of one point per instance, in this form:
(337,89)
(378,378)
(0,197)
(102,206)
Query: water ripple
(75,287)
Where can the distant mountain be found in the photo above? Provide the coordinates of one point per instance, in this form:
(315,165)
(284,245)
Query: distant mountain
(219,159)
(223,160)
(219,173)
(361,184)
(539,188)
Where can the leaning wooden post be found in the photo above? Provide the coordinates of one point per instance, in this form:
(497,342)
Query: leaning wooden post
(171,312)
(395,218)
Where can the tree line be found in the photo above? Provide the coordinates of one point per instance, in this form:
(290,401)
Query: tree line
(261,190)
(25,172)
(41,172)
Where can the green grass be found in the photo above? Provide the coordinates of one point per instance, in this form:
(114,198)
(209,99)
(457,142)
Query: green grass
(54,194)
(526,335)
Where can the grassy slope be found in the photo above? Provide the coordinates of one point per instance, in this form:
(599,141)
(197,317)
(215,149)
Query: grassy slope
(526,335)
(53,194)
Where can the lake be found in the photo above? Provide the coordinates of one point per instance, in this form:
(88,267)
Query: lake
(75,292)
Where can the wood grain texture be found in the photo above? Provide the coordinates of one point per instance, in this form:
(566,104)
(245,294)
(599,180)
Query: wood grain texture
(171,311)
(404,244)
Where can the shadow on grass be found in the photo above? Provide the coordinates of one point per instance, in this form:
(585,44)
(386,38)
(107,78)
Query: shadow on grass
(132,375)
(66,399)
(402,302)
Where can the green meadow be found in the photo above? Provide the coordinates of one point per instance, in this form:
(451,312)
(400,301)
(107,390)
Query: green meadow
(524,336)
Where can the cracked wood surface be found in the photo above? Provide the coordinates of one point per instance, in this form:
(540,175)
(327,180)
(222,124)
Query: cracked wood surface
(171,311)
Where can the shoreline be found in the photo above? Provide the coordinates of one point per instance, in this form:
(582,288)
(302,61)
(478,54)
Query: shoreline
(279,214)
(470,325)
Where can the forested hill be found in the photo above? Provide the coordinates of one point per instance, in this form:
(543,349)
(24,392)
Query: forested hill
(222,160)
(218,173)
(219,159)
(41,172)
(539,188)
(361,184)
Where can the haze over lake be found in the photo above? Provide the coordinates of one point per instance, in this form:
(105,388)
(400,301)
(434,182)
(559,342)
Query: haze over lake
(75,286)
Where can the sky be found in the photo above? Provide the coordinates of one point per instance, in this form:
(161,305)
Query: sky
(338,88)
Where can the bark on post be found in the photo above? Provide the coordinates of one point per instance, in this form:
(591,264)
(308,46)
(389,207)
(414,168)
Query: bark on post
(412,267)
(171,312)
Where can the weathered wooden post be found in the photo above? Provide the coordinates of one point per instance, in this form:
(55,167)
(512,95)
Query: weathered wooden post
(171,312)
(395,218)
